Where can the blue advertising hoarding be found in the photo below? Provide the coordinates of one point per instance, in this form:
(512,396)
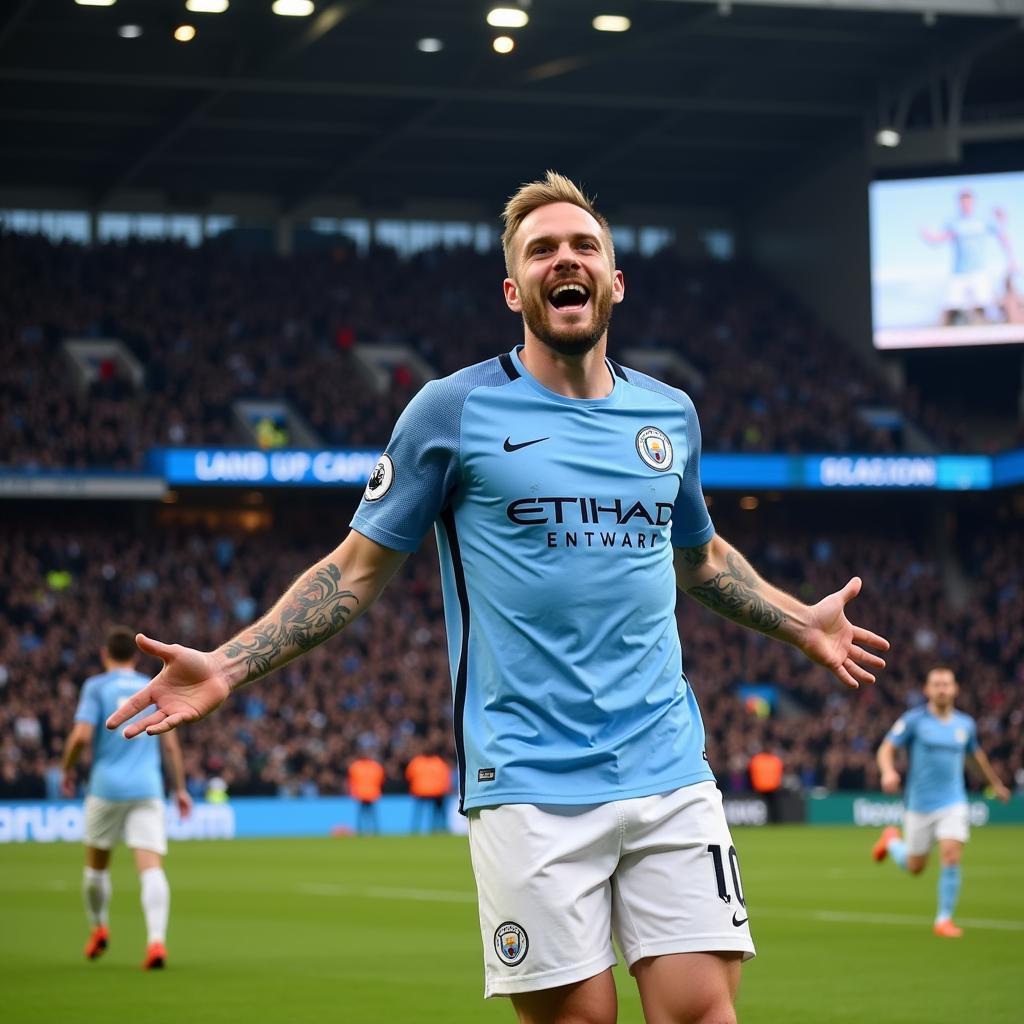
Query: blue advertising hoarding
(351,468)
(241,818)
(241,467)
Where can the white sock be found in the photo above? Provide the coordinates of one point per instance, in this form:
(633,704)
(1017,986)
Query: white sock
(156,903)
(96,893)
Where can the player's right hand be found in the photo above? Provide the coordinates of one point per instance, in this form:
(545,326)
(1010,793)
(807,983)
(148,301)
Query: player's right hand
(187,688)
(891,782)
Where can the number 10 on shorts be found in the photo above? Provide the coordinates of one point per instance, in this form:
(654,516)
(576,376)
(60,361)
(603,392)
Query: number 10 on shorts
(734,869)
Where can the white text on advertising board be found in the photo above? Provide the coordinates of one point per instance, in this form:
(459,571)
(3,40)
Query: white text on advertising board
(285,467)
(65,823)
(878,472)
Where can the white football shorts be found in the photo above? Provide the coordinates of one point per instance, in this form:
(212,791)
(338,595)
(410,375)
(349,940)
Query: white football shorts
(139,823)
(923,829)
(970,291)
(556,883)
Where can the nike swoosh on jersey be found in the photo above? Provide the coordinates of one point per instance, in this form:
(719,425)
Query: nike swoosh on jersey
(510,447)
(741,921)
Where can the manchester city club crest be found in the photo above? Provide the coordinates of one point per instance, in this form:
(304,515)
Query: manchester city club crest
(511,943)
(654,448)
(381,479)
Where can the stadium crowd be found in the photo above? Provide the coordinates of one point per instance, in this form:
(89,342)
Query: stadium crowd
(383,689)
(210,326)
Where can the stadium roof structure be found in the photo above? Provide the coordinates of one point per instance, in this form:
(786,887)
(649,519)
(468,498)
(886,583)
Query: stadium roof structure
(700,102)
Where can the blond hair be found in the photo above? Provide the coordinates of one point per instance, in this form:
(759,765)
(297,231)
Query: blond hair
(555,188)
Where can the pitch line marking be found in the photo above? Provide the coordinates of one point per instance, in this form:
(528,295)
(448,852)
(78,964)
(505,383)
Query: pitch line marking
(386,893)
(857,917)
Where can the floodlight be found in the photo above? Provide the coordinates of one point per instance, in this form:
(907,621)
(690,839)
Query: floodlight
(888,137)
(292,8)
(507,17)
(429,45)
(611,23)
(206,6)
(130,31)
(504,44)
(185,33)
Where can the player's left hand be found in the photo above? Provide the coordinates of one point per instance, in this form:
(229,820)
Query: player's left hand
(68,784)
(184,802)
(831,640)
(1002,794)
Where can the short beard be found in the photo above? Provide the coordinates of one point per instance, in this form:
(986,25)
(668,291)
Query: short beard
(573,345)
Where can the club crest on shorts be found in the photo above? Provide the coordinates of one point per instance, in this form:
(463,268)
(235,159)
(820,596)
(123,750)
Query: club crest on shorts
(511,943)
(654,448)
(381,479)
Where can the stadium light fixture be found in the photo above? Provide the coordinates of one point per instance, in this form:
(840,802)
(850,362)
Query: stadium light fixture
(507,17)
(95,3)
(206,6)
(429,45)
(292,8)
(888,137)
(504,44)
(130,31)
(611,23)
(185,33)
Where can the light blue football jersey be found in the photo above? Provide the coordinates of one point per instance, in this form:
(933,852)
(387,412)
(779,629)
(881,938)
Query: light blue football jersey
(970,237)
(936,750)
(121,769)
(555,520)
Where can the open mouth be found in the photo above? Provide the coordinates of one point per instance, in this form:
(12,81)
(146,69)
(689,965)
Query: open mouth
(569,296)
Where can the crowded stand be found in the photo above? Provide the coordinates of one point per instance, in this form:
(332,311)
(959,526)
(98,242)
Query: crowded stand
(383,690)
(210,326)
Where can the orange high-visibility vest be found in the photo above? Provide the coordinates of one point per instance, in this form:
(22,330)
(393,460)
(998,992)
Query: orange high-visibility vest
(766,772)
(428,776)
(365,779)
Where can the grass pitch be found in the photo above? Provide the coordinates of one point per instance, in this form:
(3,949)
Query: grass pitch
(371,930)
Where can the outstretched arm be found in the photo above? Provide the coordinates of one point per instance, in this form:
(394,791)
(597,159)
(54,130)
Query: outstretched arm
(78,739)
(323,600)
(172,753)
(982,761)
(718,576)
(935,237)
(886,759)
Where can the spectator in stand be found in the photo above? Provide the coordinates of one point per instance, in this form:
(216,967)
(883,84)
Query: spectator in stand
(265,327)
(324,711)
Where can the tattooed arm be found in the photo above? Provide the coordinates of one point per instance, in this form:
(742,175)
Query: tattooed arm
(322,601)
(720,578)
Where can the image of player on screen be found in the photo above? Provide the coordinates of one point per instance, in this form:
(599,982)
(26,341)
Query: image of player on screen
(971,293)
(125,799)
(937,738)
(565,497)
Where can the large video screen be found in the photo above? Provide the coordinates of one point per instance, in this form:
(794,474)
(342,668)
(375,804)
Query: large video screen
(947,261)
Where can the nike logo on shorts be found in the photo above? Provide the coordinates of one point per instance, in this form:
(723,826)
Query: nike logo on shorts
(741,921)
(510,447)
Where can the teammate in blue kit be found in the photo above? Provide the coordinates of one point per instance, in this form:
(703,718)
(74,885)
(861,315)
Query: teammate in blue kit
(936,738)
(125,798)
(565,495)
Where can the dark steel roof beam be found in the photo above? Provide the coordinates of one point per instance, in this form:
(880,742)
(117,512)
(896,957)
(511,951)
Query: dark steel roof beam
(367,90)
